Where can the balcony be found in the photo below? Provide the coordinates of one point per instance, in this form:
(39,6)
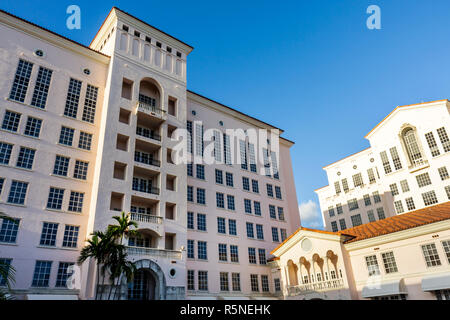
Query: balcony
(146,218)
(145,187)
(148,133)
(151,110)
(146,158)
(143,252)
(322,286)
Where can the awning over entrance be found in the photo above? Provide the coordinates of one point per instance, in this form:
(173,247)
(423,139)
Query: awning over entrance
(381,289)
(436,282)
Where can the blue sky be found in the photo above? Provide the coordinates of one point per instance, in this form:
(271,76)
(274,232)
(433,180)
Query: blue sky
(311,68)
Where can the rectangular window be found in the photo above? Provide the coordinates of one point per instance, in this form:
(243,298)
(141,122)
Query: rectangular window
(191,280)
(227,149)
(232,227)
(80,170)
(25,158)
(5,264)
(200,170)
(85,141)
(269,190)
(429,198)
(203,280)
(443,173)
(201,197)
(410,204)
(61,166)
(9,230)
(190,171)
(394,189)
(331,211)
(234,254)
(367,201)
(276,173)
(189,136)
(190,193)
(90,103)
(11,121)
(41,276)
(395,158)
(339,209)
(278,192)
(21,81)
(217,146)
(272,212)
(371,176)
(277,284)
(73,98)
(221,227)
(357,180)
(283,234)
(337,187)
(431,255)
(223,256)
(390,266)
(356,220)
(243,151)
(230,202)
(252,255)
(255,186)
(201,250)
(236,281)
(2,182)
(229,179)
(70,236)
(275,237)
(224,286)
(380,213)
(245,183)
(385,161)
(398,206)
(252,158)
(48,235)
(371,216)
(66,136)
(76,201)
(372,265)
(257,206)
(41,87)
(254,282)
(445,141)
(190,249)
(250,231)
(447,191)
(33,127)
(423,180)
(199,143)
(432,144)
(342,224)
(190,220)
(262,256)
(266,162)
(446,246)
(352,204)
(63,274)
(17,192)
(55,198)
(201,222)
(220,202)
(404,185)
(264,283)
(280,213)
(219,176)
(334,226)
(248,206)
(259,232)
(376,197)
(345,185)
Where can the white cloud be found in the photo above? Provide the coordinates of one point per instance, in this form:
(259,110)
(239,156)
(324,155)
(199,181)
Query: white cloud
(310,214)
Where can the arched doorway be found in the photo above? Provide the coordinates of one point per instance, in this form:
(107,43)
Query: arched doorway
(143,286)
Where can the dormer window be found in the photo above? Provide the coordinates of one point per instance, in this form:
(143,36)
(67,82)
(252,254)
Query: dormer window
(137,34)
(412,147)
(125,28)
(158,44)
(178,54)
(169,49)
(148,39)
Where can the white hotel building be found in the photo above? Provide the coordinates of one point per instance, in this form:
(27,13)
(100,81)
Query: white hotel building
(405,168)
(85,134)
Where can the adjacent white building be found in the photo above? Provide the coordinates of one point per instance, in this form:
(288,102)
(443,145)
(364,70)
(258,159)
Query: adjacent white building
(405,168)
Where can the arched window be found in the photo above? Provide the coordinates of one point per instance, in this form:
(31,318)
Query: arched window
(412,147)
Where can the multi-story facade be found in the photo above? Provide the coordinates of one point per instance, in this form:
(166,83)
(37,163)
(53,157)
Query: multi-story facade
(88,132)
(405,168)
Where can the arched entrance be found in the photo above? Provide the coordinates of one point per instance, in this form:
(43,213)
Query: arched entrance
(143,286)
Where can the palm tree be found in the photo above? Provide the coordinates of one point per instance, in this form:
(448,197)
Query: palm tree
(7,272)
(125,222)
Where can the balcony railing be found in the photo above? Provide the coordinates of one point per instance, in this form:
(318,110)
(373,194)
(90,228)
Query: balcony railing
(316,287)
(146,189)
(142,217)
(142,106)
(147,133)
(154,252)
(145,158)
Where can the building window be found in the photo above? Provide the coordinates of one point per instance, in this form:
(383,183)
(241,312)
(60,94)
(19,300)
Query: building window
(201,250)
(277,284)
(394,189)
(385,161)
(337,188)
(73,97)
(280,213)
(227,149)
(442,294)
(201,222)
(217,146)
(262,256)
(443,173)
(447,190)
(269,190)
(331,211)
(221,225)
(220,203)
(446,246)
(190,249)
(275,237)
(190,220)
(255,186)
(80,170)
(219,176)
(2,182)
(445,141)
(272,212)
(252,158)
(404,185)
(234,254)
(339,209)
(410,204)
(431,255)
(250,232)
(189,136)
(376,197)
(48,235)
(70,236)
(345,185)
(203,280)
(252,255)
(423,180)
(41,88)
(25,158)
(380,212)
(264,283)
(55,198)
(5,264)
(432,144)
(232,227)
(248,206)
(342,224)
(41,276)
(356,220)
(61,166)
(200,171)
(278,192)
(390,266)
(66,136)
(353,204)
(246,183)
(367,201)
(76,201)
(243,151)
(398,206)
(85,141)
(357,180)
(395,158)
(259,232)
(230,202)
(371,216)
(283,234)
(201,198)
(236,281)
(371,176)
(90,102)
(412,147)
(254,282)
(190,193)
(11,121)
(429,198)
(63,274)
(372,265)
(190,170)
(334,226)
(9,230)
(17,192)
(257,206)
(33,127)
(199,142)
(224,286)
(191,280)
(223,256)
(229,179)
(21,81)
